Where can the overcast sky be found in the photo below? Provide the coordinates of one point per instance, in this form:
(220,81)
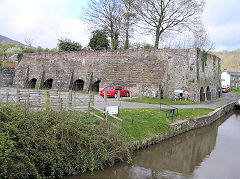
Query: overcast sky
(46,21)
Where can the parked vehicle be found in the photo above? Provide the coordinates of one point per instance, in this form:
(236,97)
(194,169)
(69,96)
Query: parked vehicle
(238,102)
(225,90)
(113,90)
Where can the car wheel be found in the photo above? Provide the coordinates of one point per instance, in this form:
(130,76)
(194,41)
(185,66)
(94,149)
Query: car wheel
(115,96)
(127,94)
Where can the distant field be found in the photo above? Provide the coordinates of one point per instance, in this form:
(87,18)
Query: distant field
(230,60)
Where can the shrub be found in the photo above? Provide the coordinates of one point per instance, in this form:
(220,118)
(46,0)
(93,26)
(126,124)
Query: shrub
(53,144)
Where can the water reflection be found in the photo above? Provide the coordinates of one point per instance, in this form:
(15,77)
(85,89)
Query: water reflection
(179,157)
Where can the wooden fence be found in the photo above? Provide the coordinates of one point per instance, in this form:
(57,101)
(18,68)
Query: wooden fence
(54,99)
(13,64)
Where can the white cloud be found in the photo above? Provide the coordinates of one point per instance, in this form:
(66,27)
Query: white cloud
(43,21)
(221,19)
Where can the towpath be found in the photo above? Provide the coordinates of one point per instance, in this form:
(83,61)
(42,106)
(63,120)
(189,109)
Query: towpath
(226,98)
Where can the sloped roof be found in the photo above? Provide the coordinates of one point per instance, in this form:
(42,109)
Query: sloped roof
(234,73)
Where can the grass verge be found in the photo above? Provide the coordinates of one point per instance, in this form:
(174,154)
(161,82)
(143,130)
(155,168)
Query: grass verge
(236,91)
(143,123)
(149,100)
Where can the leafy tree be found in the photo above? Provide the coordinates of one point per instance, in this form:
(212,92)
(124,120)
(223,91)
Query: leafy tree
(29,50)
(39,49)
(46,50)
(13,50)
(53,50)
(166,16)
(107,15)
(99,40)
(66,45)
(137,46)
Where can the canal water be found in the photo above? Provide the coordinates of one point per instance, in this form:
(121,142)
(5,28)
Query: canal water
(211,152)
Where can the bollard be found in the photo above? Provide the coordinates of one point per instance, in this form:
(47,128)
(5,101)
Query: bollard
(47,100)
(39,98)
(106,115)
(89,103)
(118,95)
(18,96)
(7,97)
(130,96)
(70,100)
(105,96)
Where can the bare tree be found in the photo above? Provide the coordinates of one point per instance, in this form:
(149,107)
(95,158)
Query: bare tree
(130,16)
(28,41)
(190,39)
(202,41)
(106,14)
(164,16)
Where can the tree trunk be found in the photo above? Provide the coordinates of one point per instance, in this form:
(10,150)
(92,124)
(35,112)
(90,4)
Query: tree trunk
(112,37)
(157,38)
(126,44)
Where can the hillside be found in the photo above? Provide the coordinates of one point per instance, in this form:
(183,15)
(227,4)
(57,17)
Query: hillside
(6,39)
(230,60)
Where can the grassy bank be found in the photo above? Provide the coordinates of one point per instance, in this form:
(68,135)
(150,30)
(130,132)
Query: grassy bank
(236,91)
(143,123)
(149,100)
(53,144)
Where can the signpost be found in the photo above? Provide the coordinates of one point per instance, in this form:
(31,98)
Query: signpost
(186,93)
(112,110)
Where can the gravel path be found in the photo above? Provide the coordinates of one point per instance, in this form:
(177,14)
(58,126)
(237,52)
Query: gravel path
(226,98)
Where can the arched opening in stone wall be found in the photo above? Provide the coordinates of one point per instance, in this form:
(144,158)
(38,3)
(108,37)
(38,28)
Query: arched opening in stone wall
(202,94)
(48,84)
(32,83)
(78,85)
(218,92)
(208,93)
(95,86)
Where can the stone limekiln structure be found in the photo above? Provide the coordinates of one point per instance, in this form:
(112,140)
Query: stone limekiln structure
(150,73)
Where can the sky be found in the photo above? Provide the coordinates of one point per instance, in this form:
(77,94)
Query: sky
(46,21)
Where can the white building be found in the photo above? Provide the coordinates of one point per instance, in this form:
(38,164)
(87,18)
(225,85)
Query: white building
(226,79)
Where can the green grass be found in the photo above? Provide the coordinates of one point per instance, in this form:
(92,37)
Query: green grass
(158,101)
(143,123)
(236,91)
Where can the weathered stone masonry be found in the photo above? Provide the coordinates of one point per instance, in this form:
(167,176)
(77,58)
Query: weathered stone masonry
(6,76)
(151,73)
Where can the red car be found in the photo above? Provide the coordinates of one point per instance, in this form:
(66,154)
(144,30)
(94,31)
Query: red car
(113,90)
(225,90)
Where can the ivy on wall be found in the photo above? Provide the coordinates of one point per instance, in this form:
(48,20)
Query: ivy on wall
(214,60)
(203,56)
(197,70)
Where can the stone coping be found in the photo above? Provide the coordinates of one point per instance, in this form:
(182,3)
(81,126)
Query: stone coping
(182,126)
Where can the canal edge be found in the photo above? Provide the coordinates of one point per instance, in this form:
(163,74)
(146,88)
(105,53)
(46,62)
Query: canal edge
(185,126)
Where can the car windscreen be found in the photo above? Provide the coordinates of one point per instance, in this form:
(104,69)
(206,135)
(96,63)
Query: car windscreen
(108,88)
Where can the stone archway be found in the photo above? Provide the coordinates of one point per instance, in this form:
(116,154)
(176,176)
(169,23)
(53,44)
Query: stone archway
(78,85)
(208,93)
(32,83)
(95,86)
(48,84)
(202,94)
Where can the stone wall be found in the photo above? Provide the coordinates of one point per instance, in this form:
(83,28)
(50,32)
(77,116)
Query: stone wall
(6,76)
(185,126)
(142,72)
